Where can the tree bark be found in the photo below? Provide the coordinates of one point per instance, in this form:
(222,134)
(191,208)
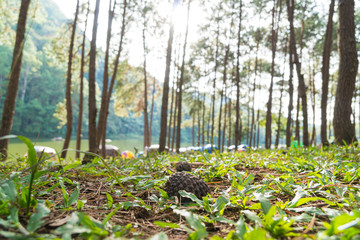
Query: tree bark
(81,93)
(214,81)
(103,110)
(325,73)
(146,119)
(164,104)
(237,120)
(69,115)
(181,82)
(290,106)
(152,111)
(14,76)
(222,94)
(302,87)
(274,39)
(93,147)
(348,65)
(113,77)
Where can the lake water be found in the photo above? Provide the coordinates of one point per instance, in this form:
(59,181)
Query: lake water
(18,148)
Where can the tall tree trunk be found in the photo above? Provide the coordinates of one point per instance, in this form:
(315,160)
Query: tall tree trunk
(198,118)
(224,127)
(14,76)
(171,111)
(193,130)
(229,118)
(258,128)
(279,113)
(152,111)
(203,122)
(348,66)
(297,122)
(214,81)
(237,130)
(81,92)
(313,98)
(222,93)
(181,82)
(325,73)
(69,115)
(290,106)
(93,147)
(164,104)
(302,87)
(253,90)
(103,110)
(146,118)
(113,77)
(274,39)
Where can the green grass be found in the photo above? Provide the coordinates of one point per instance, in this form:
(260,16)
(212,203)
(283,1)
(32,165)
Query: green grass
(297,194)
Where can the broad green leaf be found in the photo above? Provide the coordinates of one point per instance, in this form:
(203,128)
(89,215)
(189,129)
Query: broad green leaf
(9,189)
(252,216)
(310,199)
(241,228)
(166,224)
(31,151)
(36,221)
(220,204)
(74,197)
(191,196)
(265,203)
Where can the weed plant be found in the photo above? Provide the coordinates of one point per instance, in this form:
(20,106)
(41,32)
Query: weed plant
(295,194)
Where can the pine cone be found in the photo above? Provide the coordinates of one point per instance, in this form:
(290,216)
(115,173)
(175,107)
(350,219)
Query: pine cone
(183,166)
(187,182)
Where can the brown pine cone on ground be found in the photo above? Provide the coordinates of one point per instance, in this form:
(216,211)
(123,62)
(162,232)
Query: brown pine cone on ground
(183,166)
(187,182)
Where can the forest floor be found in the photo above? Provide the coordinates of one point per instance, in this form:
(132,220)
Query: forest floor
(297,194)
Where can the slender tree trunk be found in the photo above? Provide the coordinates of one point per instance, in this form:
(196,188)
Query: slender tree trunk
(93,147)
(302,87)
(14,76)
(237,130)
(69,115)
(81,93)
(152,112)
(313,98)
(229,118)
(222,93)
(171,111)
(274,39)
(297,122)
(348,66)
(103,109)
(193,130)
(325,73)
(178,130)
(224,127)
(113,77)
(290,106)
(203,122)
(279,113)
(254,89)
(258,127)
(214,82)
(146,118)
(198,118)
(164,104)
